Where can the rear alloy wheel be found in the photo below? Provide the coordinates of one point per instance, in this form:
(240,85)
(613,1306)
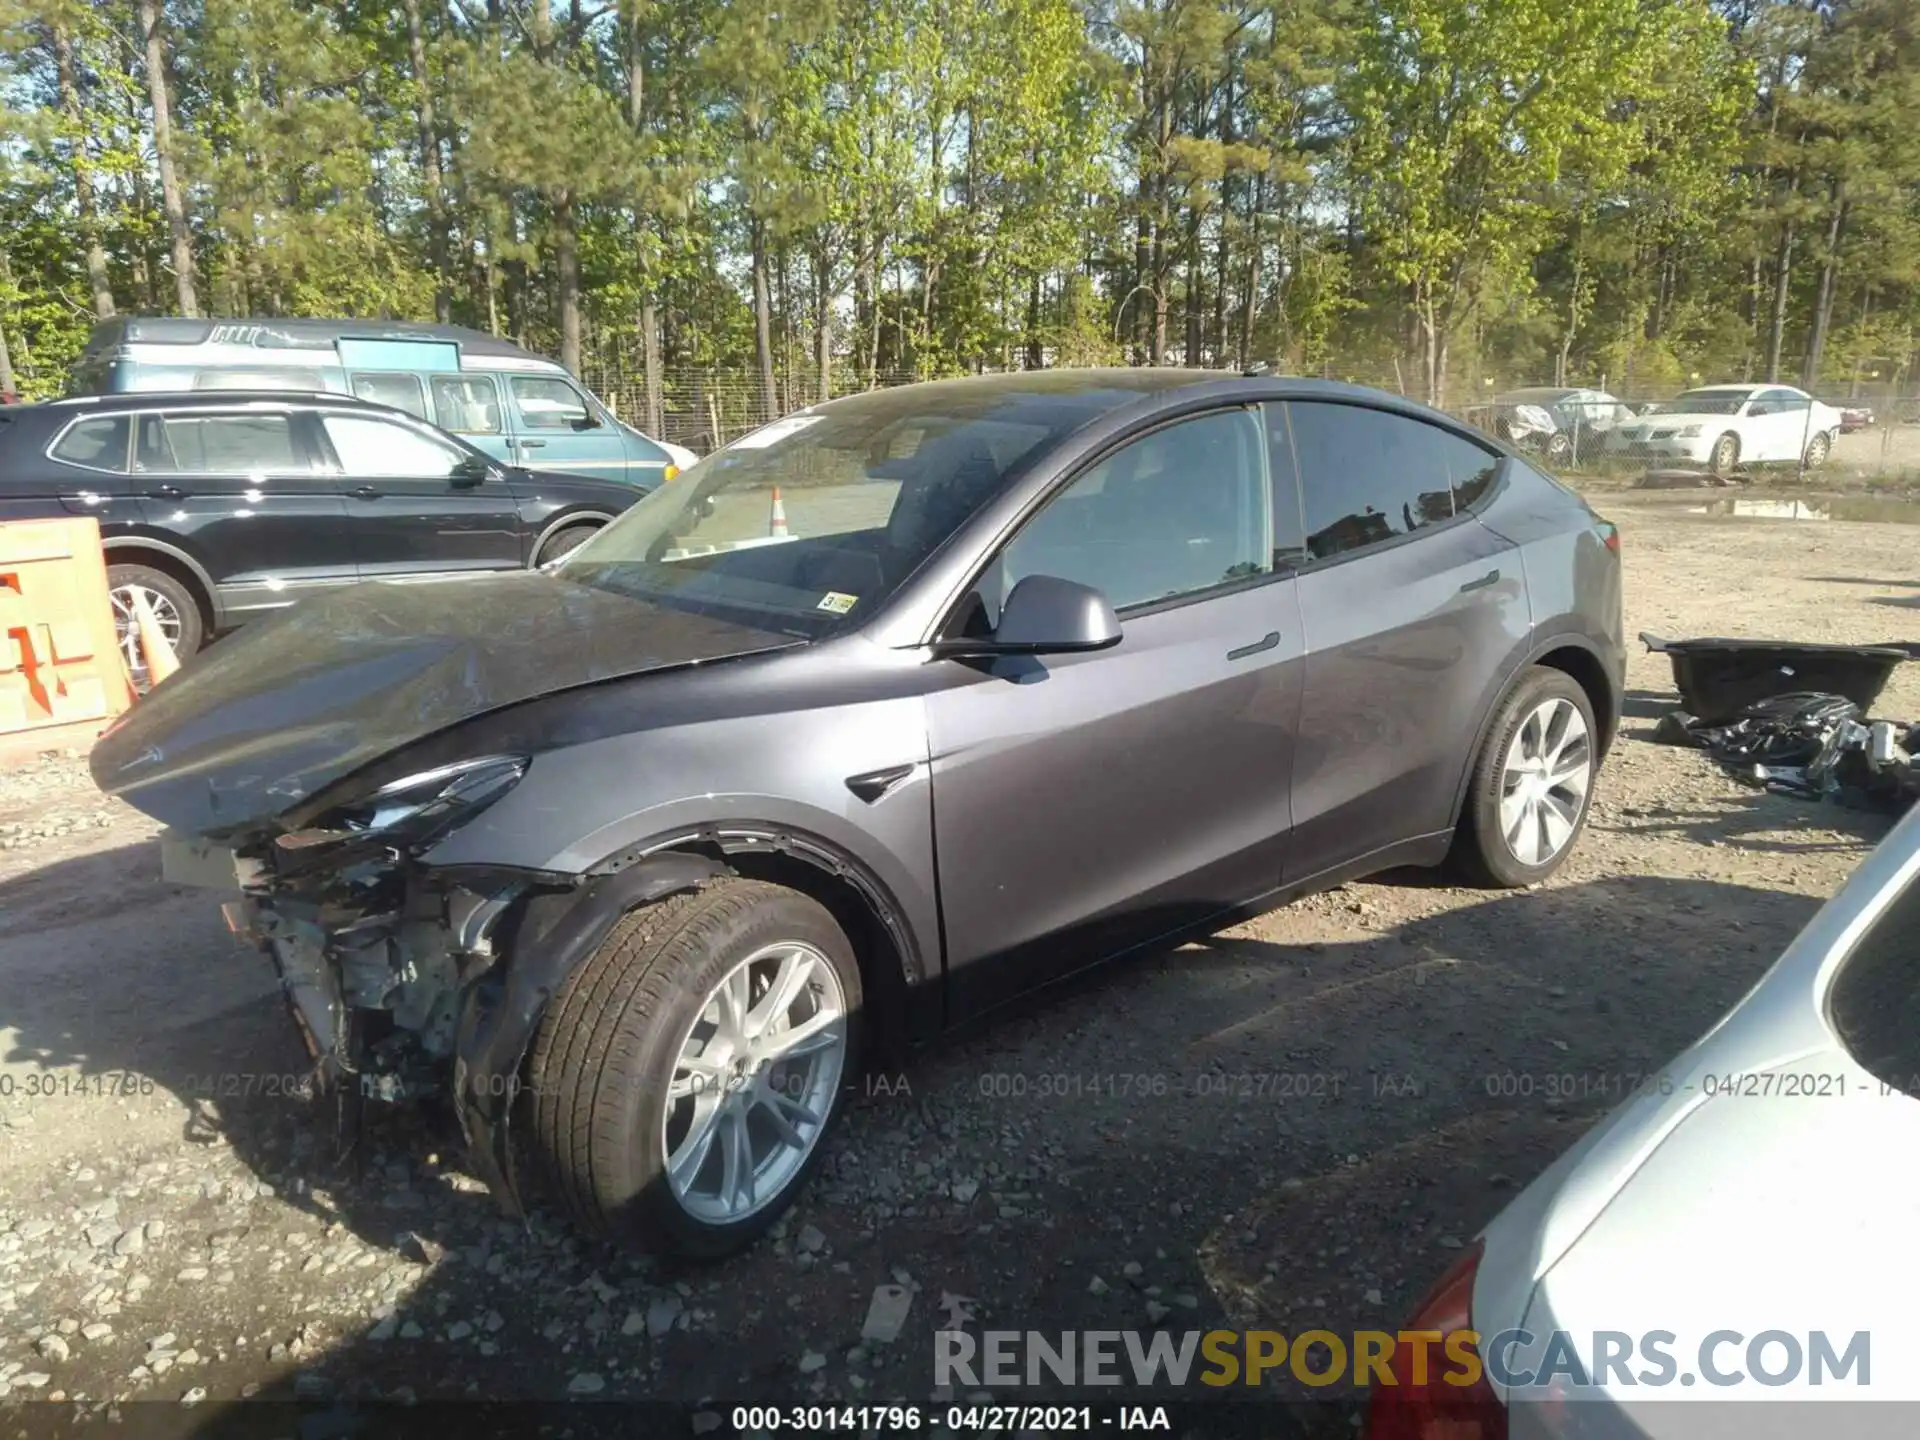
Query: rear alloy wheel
(1559,448)
(687,1074)
(172,604)
(1818,449)
(1528,799)
(1726,455)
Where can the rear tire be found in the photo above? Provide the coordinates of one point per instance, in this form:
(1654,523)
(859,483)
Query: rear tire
(623,1073)
(1532,784)
(1818,449)
(564,542)
(174,605)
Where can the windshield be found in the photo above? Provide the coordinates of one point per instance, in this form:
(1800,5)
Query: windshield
(810,523)
(1704,402)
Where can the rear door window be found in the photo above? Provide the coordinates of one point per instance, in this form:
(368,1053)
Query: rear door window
(1368,477)
(466,404)
(1470,469)
(217,445)
(402,392)
(99,443)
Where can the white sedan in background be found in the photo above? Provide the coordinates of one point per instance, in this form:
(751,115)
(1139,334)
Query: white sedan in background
(1746,1229)
(1722,426)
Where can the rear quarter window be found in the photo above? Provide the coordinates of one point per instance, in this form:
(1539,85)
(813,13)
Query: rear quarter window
(1874,1004)
(99,443)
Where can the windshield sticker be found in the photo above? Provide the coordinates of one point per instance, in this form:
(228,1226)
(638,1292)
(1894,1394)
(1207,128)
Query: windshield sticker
(776,432)
(838,602)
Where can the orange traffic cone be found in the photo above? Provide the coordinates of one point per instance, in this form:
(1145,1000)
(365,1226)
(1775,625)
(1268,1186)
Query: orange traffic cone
(154,649)
(777,522)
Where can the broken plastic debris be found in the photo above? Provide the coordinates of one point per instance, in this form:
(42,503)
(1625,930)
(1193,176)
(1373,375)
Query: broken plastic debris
(886,1313)
(959,1310)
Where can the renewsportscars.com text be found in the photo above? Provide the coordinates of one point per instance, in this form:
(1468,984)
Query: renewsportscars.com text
(1513,1359)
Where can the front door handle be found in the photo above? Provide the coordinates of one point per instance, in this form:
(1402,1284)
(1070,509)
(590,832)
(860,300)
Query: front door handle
(531,444)
(166,492)
(1492,577)
(1266,642)
(364,492)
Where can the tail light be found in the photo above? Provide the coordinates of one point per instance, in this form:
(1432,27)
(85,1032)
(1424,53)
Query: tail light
(1609,535)
(1438,1409)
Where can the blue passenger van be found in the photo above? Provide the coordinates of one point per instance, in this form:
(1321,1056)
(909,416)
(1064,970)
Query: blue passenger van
(515,406)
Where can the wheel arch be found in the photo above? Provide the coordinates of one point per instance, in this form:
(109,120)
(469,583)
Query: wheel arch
(595,518)
(545,937)
(892,960)
(144,550)
(1572,655)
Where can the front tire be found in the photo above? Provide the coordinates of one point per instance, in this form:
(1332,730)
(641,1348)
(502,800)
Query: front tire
(564,542)
(685,1077)
(1532,784)
(1726,455)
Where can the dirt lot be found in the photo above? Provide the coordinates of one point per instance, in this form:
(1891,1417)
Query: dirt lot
(1295,1123)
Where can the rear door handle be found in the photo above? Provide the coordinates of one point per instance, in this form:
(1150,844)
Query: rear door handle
(166,492)
(1492,577)
(364,492)
(1266,642)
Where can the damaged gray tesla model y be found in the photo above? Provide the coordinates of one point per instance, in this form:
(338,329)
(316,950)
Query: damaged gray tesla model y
(893,708)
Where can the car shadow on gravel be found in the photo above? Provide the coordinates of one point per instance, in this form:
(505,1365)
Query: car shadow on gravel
(1761,822)
(1244,1188)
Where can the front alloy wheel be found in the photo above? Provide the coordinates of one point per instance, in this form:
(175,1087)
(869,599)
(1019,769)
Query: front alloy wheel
(754,1081)
(686,1075)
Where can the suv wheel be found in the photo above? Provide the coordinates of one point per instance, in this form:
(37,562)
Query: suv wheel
(686,1075)
(173,606)
(564,542)
(1527,802)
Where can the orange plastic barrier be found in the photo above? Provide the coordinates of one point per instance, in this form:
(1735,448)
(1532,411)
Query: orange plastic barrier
(59,656)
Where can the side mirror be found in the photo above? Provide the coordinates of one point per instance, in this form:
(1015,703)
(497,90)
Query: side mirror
(1044,615)
(470,471)
(585,422)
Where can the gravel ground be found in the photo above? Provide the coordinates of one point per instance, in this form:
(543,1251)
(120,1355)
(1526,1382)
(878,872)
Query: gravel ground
(1294,1123)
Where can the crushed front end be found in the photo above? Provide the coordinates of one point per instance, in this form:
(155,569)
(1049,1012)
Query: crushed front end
(378,954)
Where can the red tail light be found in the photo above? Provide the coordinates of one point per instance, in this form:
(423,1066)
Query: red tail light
(1439,1409)
(1610,535)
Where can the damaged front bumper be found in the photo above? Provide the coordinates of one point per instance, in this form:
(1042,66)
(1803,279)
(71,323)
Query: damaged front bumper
(379,959)
(408,981)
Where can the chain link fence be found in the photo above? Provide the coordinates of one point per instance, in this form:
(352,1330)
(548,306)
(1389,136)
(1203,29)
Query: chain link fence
(1857,433)
(706,408)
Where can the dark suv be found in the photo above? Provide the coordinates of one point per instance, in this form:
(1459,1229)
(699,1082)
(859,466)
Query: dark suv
(221,506)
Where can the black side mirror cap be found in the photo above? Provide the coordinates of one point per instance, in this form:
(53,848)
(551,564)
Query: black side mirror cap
(1044,615)
(585,422)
